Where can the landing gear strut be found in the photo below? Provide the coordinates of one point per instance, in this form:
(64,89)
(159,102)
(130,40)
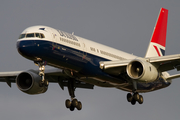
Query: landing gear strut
(41,66)
(73,103)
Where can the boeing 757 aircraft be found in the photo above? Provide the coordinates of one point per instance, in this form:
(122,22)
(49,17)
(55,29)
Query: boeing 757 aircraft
(81,63)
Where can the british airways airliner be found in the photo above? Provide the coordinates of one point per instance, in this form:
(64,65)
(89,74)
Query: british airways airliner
(81,63)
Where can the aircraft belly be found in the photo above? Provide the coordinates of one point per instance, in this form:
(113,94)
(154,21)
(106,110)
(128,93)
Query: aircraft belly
(146,87)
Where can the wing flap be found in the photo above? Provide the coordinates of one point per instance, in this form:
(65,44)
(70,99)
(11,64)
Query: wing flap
(166,63)
(164,58)
(114,67)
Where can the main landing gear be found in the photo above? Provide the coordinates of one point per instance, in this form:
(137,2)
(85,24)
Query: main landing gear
(41,66)
(73,103)
(135,97)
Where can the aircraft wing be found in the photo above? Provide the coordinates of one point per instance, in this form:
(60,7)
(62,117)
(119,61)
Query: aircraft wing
(166,63)
(53,75)
(163,63)
(114,67)
(8,77)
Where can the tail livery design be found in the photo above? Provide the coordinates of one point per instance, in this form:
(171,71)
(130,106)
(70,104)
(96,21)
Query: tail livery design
(158,40)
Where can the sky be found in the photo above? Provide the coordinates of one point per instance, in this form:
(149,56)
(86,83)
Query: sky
(126,25)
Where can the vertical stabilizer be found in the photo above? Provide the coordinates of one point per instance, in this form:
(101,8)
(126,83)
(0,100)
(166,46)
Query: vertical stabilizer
(158,40)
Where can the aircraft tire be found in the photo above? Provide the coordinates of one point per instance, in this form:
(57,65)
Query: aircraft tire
(68,103)
(136,96)
(75,102)
(79,106)
(141,100)
(133,102)
(129,97)
(72,108)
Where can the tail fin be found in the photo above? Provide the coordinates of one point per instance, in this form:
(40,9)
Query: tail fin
(158,40)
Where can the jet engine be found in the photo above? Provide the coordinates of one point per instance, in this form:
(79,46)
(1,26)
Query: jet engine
(28,82)
(142,71)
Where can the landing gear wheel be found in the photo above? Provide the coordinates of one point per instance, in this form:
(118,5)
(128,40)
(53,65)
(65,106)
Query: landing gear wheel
(75,102)
(136,96)
(129,97)
(71,108)
(140,101)
(68,103)
(79,107)
(133,102)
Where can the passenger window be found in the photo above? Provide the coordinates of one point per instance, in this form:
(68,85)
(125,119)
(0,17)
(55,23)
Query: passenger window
(30,35)
(37,35)
(22,36)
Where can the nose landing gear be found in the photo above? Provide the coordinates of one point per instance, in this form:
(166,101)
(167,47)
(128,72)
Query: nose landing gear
(41,66)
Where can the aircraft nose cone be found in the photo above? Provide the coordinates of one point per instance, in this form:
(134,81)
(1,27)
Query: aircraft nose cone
(25,48)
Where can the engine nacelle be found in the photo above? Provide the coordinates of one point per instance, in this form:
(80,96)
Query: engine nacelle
(28,82)
(142,71)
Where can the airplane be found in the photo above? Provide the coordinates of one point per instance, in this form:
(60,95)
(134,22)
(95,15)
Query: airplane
(82,63)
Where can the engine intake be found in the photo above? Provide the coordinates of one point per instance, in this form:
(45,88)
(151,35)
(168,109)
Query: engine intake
(28,82)
(142,71)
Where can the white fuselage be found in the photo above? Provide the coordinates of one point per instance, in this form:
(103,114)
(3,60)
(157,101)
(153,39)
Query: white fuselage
(75,54)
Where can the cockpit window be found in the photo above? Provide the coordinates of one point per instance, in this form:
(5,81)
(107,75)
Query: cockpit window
(29,35)
(22,36)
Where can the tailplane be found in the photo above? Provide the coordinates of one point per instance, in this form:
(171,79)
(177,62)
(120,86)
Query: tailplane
(158,40)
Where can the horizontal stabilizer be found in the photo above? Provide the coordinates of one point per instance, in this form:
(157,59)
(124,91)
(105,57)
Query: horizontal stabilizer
(173,76)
